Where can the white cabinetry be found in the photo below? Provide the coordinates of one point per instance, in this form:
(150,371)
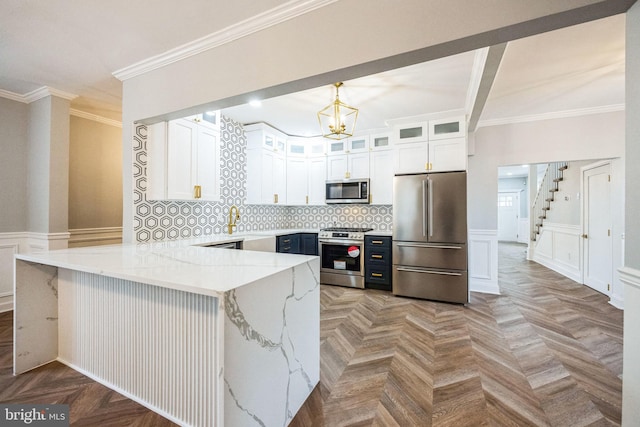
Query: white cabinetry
(455,127)
(183,161)
(381,181)
(348,158)
(416,151)
(380,141)
(306,172)
(348,166)
(266,165)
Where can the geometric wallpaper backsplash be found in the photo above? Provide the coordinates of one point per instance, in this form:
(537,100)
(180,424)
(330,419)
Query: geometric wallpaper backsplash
(157,220)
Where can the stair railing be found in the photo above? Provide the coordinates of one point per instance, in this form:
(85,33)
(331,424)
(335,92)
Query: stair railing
(546,194)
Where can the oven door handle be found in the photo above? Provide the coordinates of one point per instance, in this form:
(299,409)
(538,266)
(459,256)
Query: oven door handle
(342,242)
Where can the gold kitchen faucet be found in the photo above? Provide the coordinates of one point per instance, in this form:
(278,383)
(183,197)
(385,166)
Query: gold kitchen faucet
(233,218)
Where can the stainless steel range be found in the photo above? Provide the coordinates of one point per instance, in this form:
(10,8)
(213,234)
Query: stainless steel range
(342,256)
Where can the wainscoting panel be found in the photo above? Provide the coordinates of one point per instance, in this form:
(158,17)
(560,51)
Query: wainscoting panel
(558,248)
(10,244)
(81,237)
(483,261)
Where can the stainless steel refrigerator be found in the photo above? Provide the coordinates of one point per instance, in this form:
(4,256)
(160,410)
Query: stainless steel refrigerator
(430,236)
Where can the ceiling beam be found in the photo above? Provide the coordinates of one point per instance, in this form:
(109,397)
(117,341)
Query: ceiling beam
(489,73)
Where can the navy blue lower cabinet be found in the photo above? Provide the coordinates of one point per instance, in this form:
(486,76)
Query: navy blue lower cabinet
(288,244)
(309,243)
(298,243)
(378,263)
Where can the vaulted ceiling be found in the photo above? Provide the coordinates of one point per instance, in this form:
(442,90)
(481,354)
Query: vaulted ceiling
(75,46)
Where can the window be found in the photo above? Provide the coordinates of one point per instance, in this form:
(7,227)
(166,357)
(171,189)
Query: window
(505,201)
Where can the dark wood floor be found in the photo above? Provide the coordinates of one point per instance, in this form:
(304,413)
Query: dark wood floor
(547,352)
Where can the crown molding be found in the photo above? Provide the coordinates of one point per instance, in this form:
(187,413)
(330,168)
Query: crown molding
(12,96)
(37,94)
(553,115)
(277,15)
(95,118)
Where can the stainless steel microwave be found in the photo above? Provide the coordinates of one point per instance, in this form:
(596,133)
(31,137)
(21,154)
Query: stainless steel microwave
(347,191)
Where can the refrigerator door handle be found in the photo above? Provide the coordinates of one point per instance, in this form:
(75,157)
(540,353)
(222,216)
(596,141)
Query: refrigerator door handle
(424,208)
(419,245)
(415,270)
(430,211)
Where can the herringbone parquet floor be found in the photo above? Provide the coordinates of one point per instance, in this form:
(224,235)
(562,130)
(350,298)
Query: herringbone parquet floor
(547,352)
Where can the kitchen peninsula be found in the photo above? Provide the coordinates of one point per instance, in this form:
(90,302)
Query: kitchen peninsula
(202,335)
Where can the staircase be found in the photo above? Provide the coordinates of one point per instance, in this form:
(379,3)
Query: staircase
(546,194)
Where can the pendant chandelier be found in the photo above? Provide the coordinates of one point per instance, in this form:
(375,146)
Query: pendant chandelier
(337,120)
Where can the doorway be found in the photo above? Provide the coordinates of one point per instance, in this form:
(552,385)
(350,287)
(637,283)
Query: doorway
(508,216)
(596,227)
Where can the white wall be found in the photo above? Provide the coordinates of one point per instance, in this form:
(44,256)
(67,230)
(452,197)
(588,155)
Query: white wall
(13,162)
(631,369)
(595,136)
(48,165)
(565,209)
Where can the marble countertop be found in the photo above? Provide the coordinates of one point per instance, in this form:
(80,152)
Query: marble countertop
(181,264)
(186,264)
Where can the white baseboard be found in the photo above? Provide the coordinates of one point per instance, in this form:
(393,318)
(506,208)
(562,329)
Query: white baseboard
(559,267)
(6,303)
(483,261)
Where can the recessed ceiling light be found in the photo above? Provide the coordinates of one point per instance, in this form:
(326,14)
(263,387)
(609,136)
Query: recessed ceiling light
(255,103)
(525,166)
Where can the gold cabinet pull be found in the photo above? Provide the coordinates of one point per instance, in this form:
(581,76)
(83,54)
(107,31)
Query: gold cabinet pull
(376,256)
(307,200)
(275,198)
(197,191)
(376,274)
(376,242)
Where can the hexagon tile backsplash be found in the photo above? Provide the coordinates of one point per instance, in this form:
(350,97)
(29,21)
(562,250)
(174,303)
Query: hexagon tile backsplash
(156,220)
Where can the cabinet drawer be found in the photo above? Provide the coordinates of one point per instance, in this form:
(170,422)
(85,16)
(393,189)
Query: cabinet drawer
(382,275)
(377,241)
(438,285)
(378,256)
(289,244)
(378,278)
(451,256)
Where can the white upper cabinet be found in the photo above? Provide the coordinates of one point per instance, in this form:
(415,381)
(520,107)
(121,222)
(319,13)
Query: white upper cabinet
(306,147)
(336,147)
(413,132)
(411,157)
(381,181)
(455,127)
(266,165)
(358,144)
(448,154)
(354,144)
(183,161)
(306,180)
(210,119)
(348,166)
(380,141)
(434,146)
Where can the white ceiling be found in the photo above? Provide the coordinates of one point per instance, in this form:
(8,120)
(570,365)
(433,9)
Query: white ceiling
(76,45)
